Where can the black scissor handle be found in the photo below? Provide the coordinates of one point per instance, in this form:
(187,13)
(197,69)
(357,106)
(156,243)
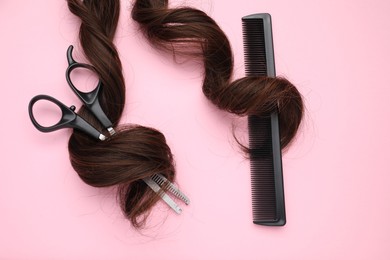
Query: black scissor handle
(90,99)
(69,118)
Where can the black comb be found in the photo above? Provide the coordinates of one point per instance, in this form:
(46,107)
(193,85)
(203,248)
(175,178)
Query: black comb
(264,139)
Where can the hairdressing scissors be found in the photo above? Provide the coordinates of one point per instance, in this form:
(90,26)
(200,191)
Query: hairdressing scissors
(157,181)
(69,118)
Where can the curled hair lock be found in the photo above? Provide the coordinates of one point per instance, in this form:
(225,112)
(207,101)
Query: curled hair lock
(134,152)
(192,33)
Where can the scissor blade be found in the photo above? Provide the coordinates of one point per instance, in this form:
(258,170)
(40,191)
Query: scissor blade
(111,130)
(156,188)
(161,180)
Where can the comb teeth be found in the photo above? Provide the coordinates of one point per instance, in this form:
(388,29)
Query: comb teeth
(264,140)
(254,49)
(258,45)
(262,170)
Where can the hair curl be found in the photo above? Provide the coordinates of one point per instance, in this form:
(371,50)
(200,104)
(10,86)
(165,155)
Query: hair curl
(134,152)
(192,33)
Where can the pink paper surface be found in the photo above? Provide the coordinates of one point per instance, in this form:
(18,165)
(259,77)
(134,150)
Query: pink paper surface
(336,174)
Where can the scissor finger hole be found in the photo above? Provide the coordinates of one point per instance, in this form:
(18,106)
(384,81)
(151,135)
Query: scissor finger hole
(84,79)
(46,113)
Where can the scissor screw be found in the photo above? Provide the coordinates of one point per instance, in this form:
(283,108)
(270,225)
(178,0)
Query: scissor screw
(73,108)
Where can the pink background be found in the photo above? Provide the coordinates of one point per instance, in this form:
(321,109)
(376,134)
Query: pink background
(337,175)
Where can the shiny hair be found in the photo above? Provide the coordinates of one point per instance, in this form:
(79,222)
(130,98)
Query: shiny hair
(192,33)
(134,152)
